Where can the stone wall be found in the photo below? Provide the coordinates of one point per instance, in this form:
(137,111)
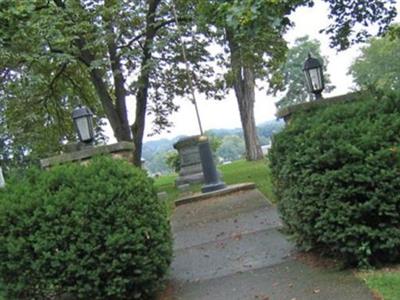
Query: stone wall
(286,112)
(121,150)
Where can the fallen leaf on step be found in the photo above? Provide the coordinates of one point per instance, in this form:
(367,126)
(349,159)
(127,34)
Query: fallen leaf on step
(237,236)
(261,297)
(220,234)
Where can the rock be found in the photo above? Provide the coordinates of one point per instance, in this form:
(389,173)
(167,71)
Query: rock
(162,195)
(184,187)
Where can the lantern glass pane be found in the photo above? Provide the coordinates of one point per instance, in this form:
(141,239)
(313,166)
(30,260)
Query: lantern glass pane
(308,81)
(84,129)
(316,79)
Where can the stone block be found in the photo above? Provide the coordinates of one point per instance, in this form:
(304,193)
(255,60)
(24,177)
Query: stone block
(191,170)
(184,187)
(121,150)
(162,195)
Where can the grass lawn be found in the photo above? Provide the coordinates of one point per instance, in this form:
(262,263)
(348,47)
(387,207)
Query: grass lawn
(385,283)
(236,172)
(249,171)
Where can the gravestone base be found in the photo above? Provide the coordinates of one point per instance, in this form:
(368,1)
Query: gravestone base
(191,170)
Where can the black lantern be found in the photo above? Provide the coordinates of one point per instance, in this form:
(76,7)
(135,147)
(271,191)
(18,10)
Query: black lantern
(83,121)
(314,76)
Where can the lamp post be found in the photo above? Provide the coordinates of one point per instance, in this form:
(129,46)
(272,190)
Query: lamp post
(313,70)
(83,121)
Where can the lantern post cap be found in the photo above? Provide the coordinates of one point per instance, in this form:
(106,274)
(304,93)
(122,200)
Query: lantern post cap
(311,63)
(81,111)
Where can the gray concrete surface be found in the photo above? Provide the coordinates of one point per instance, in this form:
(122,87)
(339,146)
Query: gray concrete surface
(231,247)
(230,189)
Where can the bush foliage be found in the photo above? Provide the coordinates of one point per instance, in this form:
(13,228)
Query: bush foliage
(95,232)
(337,177)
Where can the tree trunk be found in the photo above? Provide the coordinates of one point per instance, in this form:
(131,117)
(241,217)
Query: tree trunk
(139,125)
(121,130)
(116,113)
(246,107)
(144,79)
(115,105)
(244,86)
(118,77)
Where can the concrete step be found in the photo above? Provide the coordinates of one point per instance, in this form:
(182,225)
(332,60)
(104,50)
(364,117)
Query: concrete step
(230,247)
(214,230)
(286,281)
(239,252)
(230,189)
(219,208)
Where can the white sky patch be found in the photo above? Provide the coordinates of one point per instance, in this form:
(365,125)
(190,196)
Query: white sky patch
(225,113)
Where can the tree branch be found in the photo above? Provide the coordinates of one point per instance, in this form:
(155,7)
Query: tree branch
(77,87)
(156,28)
(58,74)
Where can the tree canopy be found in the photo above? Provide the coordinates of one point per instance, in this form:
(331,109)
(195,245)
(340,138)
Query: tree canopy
(251,33)
(55,54)
(378,66)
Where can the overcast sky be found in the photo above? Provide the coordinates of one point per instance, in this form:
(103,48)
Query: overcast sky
(225,114)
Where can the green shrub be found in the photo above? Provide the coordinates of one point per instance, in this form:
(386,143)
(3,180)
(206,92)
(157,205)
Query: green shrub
(337,178)
(95,232)
(173,160)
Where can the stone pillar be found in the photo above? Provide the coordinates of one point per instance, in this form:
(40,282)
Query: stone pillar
(191,170)
(83,154)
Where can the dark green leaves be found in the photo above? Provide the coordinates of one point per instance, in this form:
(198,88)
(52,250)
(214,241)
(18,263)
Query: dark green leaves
(378,66)
(336,172)
(349,14)
(96,231)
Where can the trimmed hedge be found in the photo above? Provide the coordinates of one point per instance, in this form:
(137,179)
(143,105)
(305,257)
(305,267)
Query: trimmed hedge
(337,178)
(93,232)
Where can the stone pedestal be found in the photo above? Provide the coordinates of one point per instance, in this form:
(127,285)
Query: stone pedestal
(82,154)
(191,170)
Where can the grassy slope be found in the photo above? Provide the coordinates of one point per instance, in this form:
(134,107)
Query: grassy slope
(236,172)
(245,171)
(385,283)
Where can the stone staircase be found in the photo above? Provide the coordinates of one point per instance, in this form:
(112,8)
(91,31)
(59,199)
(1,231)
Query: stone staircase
(230,247)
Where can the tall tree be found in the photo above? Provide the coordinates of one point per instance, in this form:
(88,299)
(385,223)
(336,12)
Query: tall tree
(252,32)
(59,52)
(378,66)
(293,81)
(56,53)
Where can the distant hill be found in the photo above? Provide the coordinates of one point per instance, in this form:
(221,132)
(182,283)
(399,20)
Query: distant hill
(154,151)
